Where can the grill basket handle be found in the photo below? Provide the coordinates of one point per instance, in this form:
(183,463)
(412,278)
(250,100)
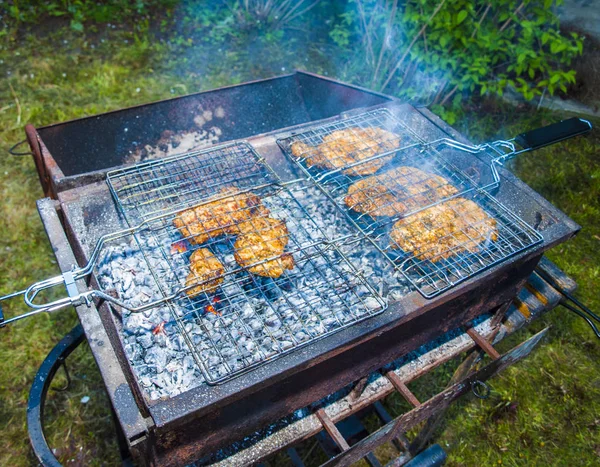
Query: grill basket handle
(67,279)
(554,133)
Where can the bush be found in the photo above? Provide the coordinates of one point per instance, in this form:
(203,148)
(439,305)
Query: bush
(445,50)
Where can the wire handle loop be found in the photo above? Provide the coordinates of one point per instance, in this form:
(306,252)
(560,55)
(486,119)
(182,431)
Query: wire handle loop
(12,150)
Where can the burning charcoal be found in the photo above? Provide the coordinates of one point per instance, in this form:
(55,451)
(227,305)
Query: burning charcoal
(273,322)
(158,381)
(145,381)
(177,343)
(255,325)
(227,321)
(228,352)
(286,344)
(301,336)
(371,303)
(134,350)
(188,380)
(216,337)
(137,323)
(330,323)
(213,361)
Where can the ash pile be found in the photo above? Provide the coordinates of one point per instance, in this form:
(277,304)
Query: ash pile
(250,319)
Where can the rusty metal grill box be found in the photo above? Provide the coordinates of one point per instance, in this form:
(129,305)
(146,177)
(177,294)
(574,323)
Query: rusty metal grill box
(85,148)
(73,159)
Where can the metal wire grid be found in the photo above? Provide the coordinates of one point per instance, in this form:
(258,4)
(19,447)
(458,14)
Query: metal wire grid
(153,188)
(396,192)
(248,319)
(465,241)
(410,175)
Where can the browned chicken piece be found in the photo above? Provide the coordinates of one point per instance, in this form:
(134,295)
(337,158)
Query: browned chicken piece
(260,239)
(206,271)
(397,192)
(447,229)
(343,147)
(219,217)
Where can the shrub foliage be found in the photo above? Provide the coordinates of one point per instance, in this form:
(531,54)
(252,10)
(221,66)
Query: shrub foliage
(451,48)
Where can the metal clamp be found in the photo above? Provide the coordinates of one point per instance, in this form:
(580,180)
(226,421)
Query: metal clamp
(480,389)
(30,293)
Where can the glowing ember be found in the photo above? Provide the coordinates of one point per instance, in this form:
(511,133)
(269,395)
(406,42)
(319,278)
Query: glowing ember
(178,247)
(212,309)
(159,329)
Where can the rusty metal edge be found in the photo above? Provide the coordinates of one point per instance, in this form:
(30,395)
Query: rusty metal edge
(438,402)
(133,424)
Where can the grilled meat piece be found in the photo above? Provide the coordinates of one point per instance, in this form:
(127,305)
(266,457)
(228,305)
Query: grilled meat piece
(204,266)
(447,229)
(262,238)
(347,146)
(218,217)
(397,192)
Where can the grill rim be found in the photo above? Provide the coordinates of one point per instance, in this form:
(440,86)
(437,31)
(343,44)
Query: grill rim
(187,406)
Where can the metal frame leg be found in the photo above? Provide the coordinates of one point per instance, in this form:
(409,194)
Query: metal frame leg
(37,399)
(39,390)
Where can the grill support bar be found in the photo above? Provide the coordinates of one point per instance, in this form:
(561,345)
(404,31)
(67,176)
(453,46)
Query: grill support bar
(439,402)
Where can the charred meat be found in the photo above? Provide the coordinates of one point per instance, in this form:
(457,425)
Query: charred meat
(260,247)
(218,217)
(397,192)
(455,226)
(206,272)
(341,148)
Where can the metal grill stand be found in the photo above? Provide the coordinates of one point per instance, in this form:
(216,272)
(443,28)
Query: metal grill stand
(537,297)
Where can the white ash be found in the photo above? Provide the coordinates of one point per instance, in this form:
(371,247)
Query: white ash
(162,361)
(261,317)
(206,132)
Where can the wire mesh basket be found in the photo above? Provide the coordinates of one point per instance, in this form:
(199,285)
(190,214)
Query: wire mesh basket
(427,211)
(253,273)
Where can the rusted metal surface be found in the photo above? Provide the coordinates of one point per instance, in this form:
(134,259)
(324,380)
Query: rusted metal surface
(34,144)
(402,389)
(483,343)
(80,151)
(332,430)
(204,419)
(134,425)
(424,436)
(381,387)
(359,387)
(438,402)
(404,327)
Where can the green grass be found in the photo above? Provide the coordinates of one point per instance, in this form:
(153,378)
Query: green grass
(544,411)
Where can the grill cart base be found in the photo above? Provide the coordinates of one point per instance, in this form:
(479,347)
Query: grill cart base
(537,297)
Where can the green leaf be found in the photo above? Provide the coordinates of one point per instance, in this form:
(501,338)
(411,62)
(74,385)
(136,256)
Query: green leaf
(462,15)
(76,26)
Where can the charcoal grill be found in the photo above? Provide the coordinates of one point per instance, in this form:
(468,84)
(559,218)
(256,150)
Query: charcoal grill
(141,201)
